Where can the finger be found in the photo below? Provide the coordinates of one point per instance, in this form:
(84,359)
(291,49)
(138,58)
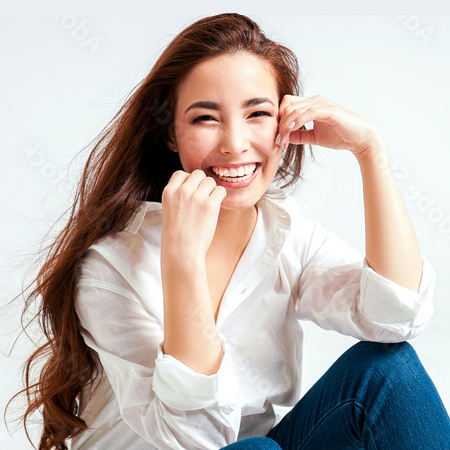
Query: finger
(178,178)
(300,106)
(287,101)
(175,181)
(294,104)
(206,187)
(288,112)
(209,196)
(290,132)
(193,179)
(303,137)
(182,183)
(218,194)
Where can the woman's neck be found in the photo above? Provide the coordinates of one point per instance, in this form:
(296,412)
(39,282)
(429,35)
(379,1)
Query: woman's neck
(234,228)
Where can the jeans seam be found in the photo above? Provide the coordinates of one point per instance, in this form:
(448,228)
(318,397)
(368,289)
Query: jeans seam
(372,439)
(325,417)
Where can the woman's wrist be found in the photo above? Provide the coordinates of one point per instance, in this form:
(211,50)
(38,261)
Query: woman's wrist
(185,260)
(183,266)
(373,149)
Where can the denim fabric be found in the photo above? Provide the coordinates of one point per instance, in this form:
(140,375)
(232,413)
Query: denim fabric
(375,396)
(254,443)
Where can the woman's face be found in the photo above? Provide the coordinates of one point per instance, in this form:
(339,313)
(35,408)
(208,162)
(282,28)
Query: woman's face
(226,122)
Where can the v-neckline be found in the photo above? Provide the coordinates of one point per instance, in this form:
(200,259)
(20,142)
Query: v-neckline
(261,251)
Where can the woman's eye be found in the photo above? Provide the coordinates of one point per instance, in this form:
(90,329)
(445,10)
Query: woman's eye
(203,119)
(260,114)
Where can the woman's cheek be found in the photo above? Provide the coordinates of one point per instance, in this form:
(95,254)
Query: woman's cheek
(267,133)
(193,149)
(190,140)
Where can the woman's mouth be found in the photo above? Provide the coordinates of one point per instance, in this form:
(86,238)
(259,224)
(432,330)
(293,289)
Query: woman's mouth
(238,174)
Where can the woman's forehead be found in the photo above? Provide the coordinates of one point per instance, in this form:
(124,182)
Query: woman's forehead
(229,79)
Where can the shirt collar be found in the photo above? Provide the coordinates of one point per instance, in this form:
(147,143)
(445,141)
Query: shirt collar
(272,199)
(136,222)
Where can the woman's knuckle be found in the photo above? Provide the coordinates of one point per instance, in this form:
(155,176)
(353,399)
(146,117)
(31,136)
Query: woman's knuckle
(197,196)
(167,192)
(210,206)
(210,182)
(184,192)
(199,173)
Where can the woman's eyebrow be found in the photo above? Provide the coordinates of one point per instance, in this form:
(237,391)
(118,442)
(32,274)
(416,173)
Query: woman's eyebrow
(216,106)
(257,101)
(204,105)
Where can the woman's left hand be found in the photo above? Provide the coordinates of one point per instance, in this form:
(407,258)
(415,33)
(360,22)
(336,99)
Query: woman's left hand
(334,126)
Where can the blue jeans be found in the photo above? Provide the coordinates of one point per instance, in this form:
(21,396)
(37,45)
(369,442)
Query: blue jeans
(375,396)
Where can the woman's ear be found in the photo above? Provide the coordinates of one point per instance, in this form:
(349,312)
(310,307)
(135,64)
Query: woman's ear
(170,142)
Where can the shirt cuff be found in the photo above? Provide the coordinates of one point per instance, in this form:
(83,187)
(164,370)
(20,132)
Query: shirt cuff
(180,387)
(394,306)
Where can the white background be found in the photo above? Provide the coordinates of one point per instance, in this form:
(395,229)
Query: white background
(63,77)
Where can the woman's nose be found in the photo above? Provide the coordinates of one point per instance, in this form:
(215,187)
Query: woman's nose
(234,140)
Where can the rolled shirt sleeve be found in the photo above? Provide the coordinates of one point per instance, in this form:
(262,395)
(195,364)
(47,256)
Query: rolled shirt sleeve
(339,291)
(179,387)
(394,307)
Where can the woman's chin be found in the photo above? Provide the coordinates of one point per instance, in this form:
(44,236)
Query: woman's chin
(235,202)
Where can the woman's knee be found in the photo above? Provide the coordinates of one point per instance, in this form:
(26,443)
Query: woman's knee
(383,356)
(393,364)
(254,443)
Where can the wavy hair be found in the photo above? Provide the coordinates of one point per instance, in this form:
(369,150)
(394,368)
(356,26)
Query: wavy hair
(129,162)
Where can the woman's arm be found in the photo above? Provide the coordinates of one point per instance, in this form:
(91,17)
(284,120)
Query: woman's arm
(191,205)
(392,249)
(391,245)
(189,328)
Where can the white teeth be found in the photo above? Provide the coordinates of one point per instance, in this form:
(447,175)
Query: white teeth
(235,175)
(234,172)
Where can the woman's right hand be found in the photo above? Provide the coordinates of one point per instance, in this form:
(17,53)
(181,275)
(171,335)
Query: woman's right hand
(191,205)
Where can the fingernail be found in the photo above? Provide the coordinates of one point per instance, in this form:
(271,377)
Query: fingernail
(278,139)
(291,125)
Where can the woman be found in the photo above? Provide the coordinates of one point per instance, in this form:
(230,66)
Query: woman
(172,298)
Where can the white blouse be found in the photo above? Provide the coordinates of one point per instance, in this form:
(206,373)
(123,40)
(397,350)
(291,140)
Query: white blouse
(292,270)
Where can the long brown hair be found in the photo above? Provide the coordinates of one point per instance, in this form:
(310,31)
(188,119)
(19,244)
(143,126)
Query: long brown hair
(129,163)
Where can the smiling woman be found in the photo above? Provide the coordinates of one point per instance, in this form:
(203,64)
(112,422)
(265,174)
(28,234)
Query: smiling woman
(172,300)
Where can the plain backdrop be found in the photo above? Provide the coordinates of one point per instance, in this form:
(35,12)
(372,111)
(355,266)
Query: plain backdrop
(63,77)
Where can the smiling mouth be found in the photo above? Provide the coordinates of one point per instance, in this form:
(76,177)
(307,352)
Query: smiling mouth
(235,174)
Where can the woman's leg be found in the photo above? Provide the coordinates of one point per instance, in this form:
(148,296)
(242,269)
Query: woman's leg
(375,396)
(254,443)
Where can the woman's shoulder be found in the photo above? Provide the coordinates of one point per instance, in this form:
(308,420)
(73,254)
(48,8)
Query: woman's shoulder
(145,224)
(285,205)
(137,244)
(147,215)
(308,237)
